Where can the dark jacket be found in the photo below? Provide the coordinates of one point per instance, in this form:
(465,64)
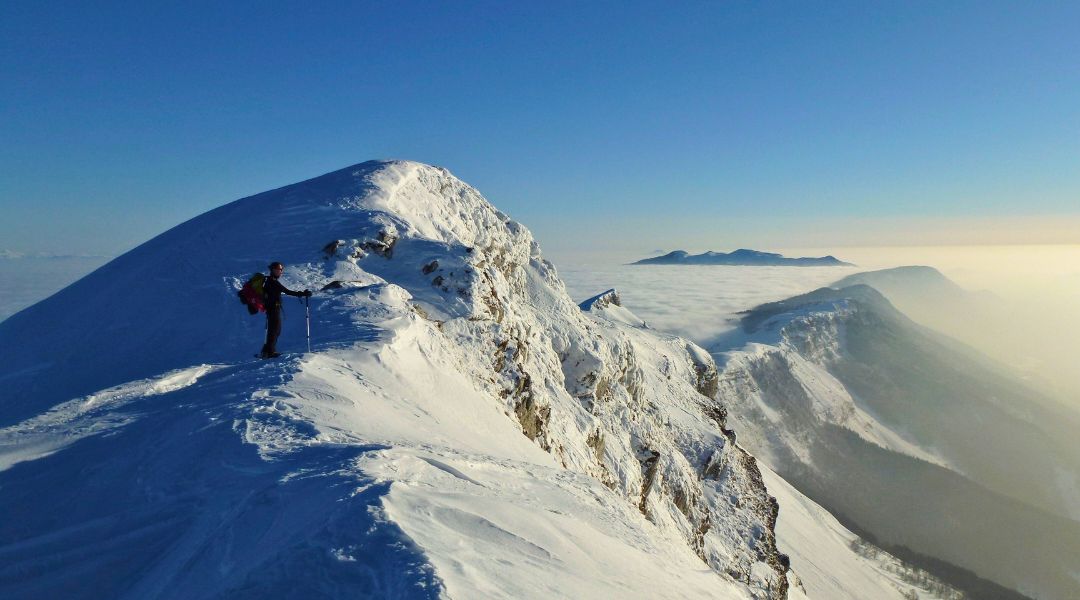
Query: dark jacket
(272,291)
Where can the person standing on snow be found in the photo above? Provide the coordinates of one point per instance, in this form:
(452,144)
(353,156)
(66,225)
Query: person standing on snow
(272,291)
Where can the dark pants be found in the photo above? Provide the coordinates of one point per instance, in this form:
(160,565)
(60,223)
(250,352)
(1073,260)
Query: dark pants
(273,329)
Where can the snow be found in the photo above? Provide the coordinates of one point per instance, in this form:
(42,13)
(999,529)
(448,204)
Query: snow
(610,305)
(71,421)
(483,501)
(822,555)
(462,428)
(830,401)
(447,357)
(499,529)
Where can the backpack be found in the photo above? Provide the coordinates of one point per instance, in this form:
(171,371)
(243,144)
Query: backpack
(251,295)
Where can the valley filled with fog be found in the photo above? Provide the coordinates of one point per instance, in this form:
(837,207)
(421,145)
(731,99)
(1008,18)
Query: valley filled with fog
(1025,309)
(949,439)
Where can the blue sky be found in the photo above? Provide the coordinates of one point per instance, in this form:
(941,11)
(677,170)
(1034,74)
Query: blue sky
(634,125)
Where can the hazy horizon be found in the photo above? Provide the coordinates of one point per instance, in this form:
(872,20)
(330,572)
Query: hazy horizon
(1038,286)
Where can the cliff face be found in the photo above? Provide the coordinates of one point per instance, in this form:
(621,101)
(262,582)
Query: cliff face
(447,358)
(618,404)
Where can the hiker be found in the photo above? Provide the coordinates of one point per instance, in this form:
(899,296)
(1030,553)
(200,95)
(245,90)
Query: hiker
(272,290)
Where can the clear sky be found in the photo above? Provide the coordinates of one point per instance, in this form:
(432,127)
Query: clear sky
(643,125)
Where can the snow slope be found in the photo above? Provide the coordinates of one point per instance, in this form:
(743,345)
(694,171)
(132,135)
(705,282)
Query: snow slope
(462,428)
(822,554)
(907,434)
(449,359)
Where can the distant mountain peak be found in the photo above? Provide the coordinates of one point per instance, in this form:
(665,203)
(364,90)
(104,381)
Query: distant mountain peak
(842,391)
(740,257)
(919,275)
(824,299)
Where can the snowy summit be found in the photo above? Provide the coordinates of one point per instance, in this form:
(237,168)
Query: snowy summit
(460,429)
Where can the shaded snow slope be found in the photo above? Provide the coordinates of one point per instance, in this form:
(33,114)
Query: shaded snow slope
(457,402)
(177,502)
(834,563)
(76,419)
(907,434)
(1034,346)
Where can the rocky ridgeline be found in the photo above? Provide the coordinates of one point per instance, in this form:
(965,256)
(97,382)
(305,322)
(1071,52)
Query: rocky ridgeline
(627,406)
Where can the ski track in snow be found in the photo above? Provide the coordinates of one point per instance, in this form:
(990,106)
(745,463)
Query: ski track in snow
(92,415)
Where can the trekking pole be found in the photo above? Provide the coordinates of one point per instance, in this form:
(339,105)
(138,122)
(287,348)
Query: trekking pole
(307,317)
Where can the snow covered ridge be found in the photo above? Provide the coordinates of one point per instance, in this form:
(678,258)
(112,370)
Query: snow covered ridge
(451,373)
(610,306)
(908,435)
(794,342)
(577,390)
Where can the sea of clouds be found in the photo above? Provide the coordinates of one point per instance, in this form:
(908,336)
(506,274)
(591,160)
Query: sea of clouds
(697,302)
(27,279)
(1041,284)
(1038,286)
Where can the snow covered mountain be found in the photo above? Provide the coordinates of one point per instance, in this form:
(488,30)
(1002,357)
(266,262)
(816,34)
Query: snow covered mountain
(831,561)
(461,429)
(909,436)
(929,298)
(1037,349)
